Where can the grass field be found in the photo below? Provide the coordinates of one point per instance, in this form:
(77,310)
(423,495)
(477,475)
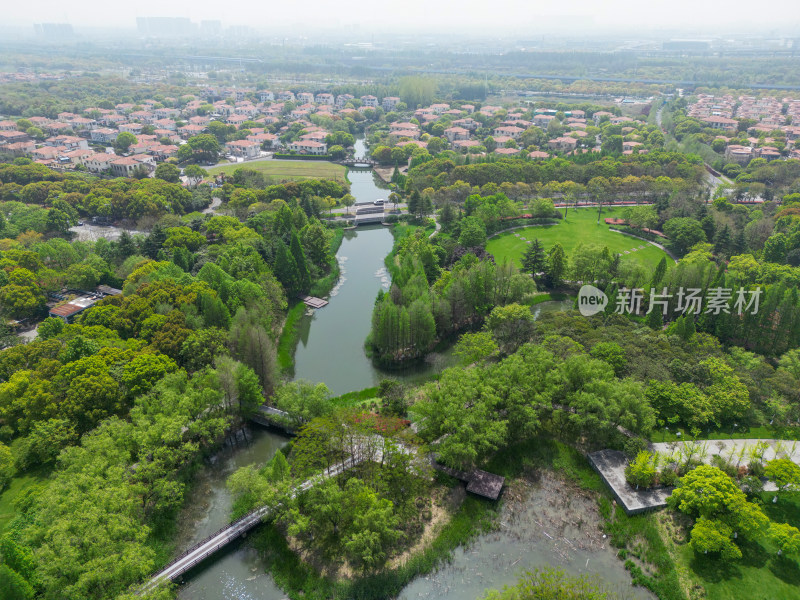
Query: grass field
(760,574)
(580,227)
(18,486)
(283,170)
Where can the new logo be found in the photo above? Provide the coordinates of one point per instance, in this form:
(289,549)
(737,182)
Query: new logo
(591,300)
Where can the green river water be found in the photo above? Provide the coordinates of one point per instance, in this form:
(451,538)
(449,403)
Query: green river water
(331,350)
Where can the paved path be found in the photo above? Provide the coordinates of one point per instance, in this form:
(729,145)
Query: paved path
(764,450)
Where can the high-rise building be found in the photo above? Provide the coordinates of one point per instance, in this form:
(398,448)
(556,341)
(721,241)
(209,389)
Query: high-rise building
(53,31)
(165,26)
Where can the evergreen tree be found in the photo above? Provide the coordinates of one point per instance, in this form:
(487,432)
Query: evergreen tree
(413,203)
(424,207)
(286,269)
(307,207)
(722,241)
(689,327)
(709,226)
(303,276)
(182,258)
(556,265)
(447,216)
(534,259)
(708,320)
(611,292)
(739,243)
(125,246)
(655,320)
(154,241)
(658,274)
(678,327)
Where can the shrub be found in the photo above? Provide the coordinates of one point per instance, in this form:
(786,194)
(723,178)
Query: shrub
(641,472)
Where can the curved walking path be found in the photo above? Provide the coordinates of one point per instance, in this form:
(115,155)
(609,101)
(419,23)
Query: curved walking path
(656,244)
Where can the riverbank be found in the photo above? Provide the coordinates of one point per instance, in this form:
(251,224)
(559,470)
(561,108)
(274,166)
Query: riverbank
(550,514)
(290,332)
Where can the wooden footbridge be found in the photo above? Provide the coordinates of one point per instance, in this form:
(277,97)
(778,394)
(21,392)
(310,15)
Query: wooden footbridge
(220,539)
(364,448)
(269,416)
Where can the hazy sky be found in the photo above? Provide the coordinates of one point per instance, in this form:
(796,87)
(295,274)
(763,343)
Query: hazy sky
(488,16)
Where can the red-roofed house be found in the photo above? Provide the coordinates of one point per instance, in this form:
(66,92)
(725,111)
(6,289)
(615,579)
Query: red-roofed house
(99,162)
(162,152)
(45,153)
(188,131)
(465,144)
(456,133)
(565,144)
(134,128)
(20,148)
(104,135)
(244,148)
(390,102)
(716,122)
(509,131)
(11,137)
(308,147)
(124,166)
(268,139)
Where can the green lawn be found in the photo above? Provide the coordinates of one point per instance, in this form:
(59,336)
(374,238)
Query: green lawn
(282,170)
(743,432)
(760,574)
(580,227)
(14,490)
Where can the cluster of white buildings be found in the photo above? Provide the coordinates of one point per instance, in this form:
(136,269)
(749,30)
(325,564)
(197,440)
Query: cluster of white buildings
(463,124)
(769,113)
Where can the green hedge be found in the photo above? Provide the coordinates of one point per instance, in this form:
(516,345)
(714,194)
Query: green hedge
(303,156)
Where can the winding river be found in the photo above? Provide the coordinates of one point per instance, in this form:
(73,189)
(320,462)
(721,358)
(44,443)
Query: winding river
(331,350)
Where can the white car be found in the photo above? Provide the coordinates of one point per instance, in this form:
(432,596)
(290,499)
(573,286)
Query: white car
(378,202)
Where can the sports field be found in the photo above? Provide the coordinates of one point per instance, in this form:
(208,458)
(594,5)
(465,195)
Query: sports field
(580,227)
(283,170)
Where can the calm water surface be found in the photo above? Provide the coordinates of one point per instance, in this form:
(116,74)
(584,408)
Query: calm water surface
(331,350)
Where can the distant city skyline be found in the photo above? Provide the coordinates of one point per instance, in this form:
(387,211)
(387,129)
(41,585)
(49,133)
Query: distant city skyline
(506,17)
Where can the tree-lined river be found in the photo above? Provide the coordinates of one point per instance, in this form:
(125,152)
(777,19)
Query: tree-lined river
(331,350)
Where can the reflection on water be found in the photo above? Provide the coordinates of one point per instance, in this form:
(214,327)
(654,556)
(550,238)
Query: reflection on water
(541,524)
(331,350)
(237,572)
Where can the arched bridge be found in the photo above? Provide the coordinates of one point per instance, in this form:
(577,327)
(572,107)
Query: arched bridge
(364,163)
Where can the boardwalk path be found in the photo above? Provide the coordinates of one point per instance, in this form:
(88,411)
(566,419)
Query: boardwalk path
(216,541)
(366,449)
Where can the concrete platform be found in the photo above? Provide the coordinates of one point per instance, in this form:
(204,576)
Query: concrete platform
(610,464)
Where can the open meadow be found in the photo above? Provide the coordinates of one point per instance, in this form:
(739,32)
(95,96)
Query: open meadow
(287,170)
(580,227)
